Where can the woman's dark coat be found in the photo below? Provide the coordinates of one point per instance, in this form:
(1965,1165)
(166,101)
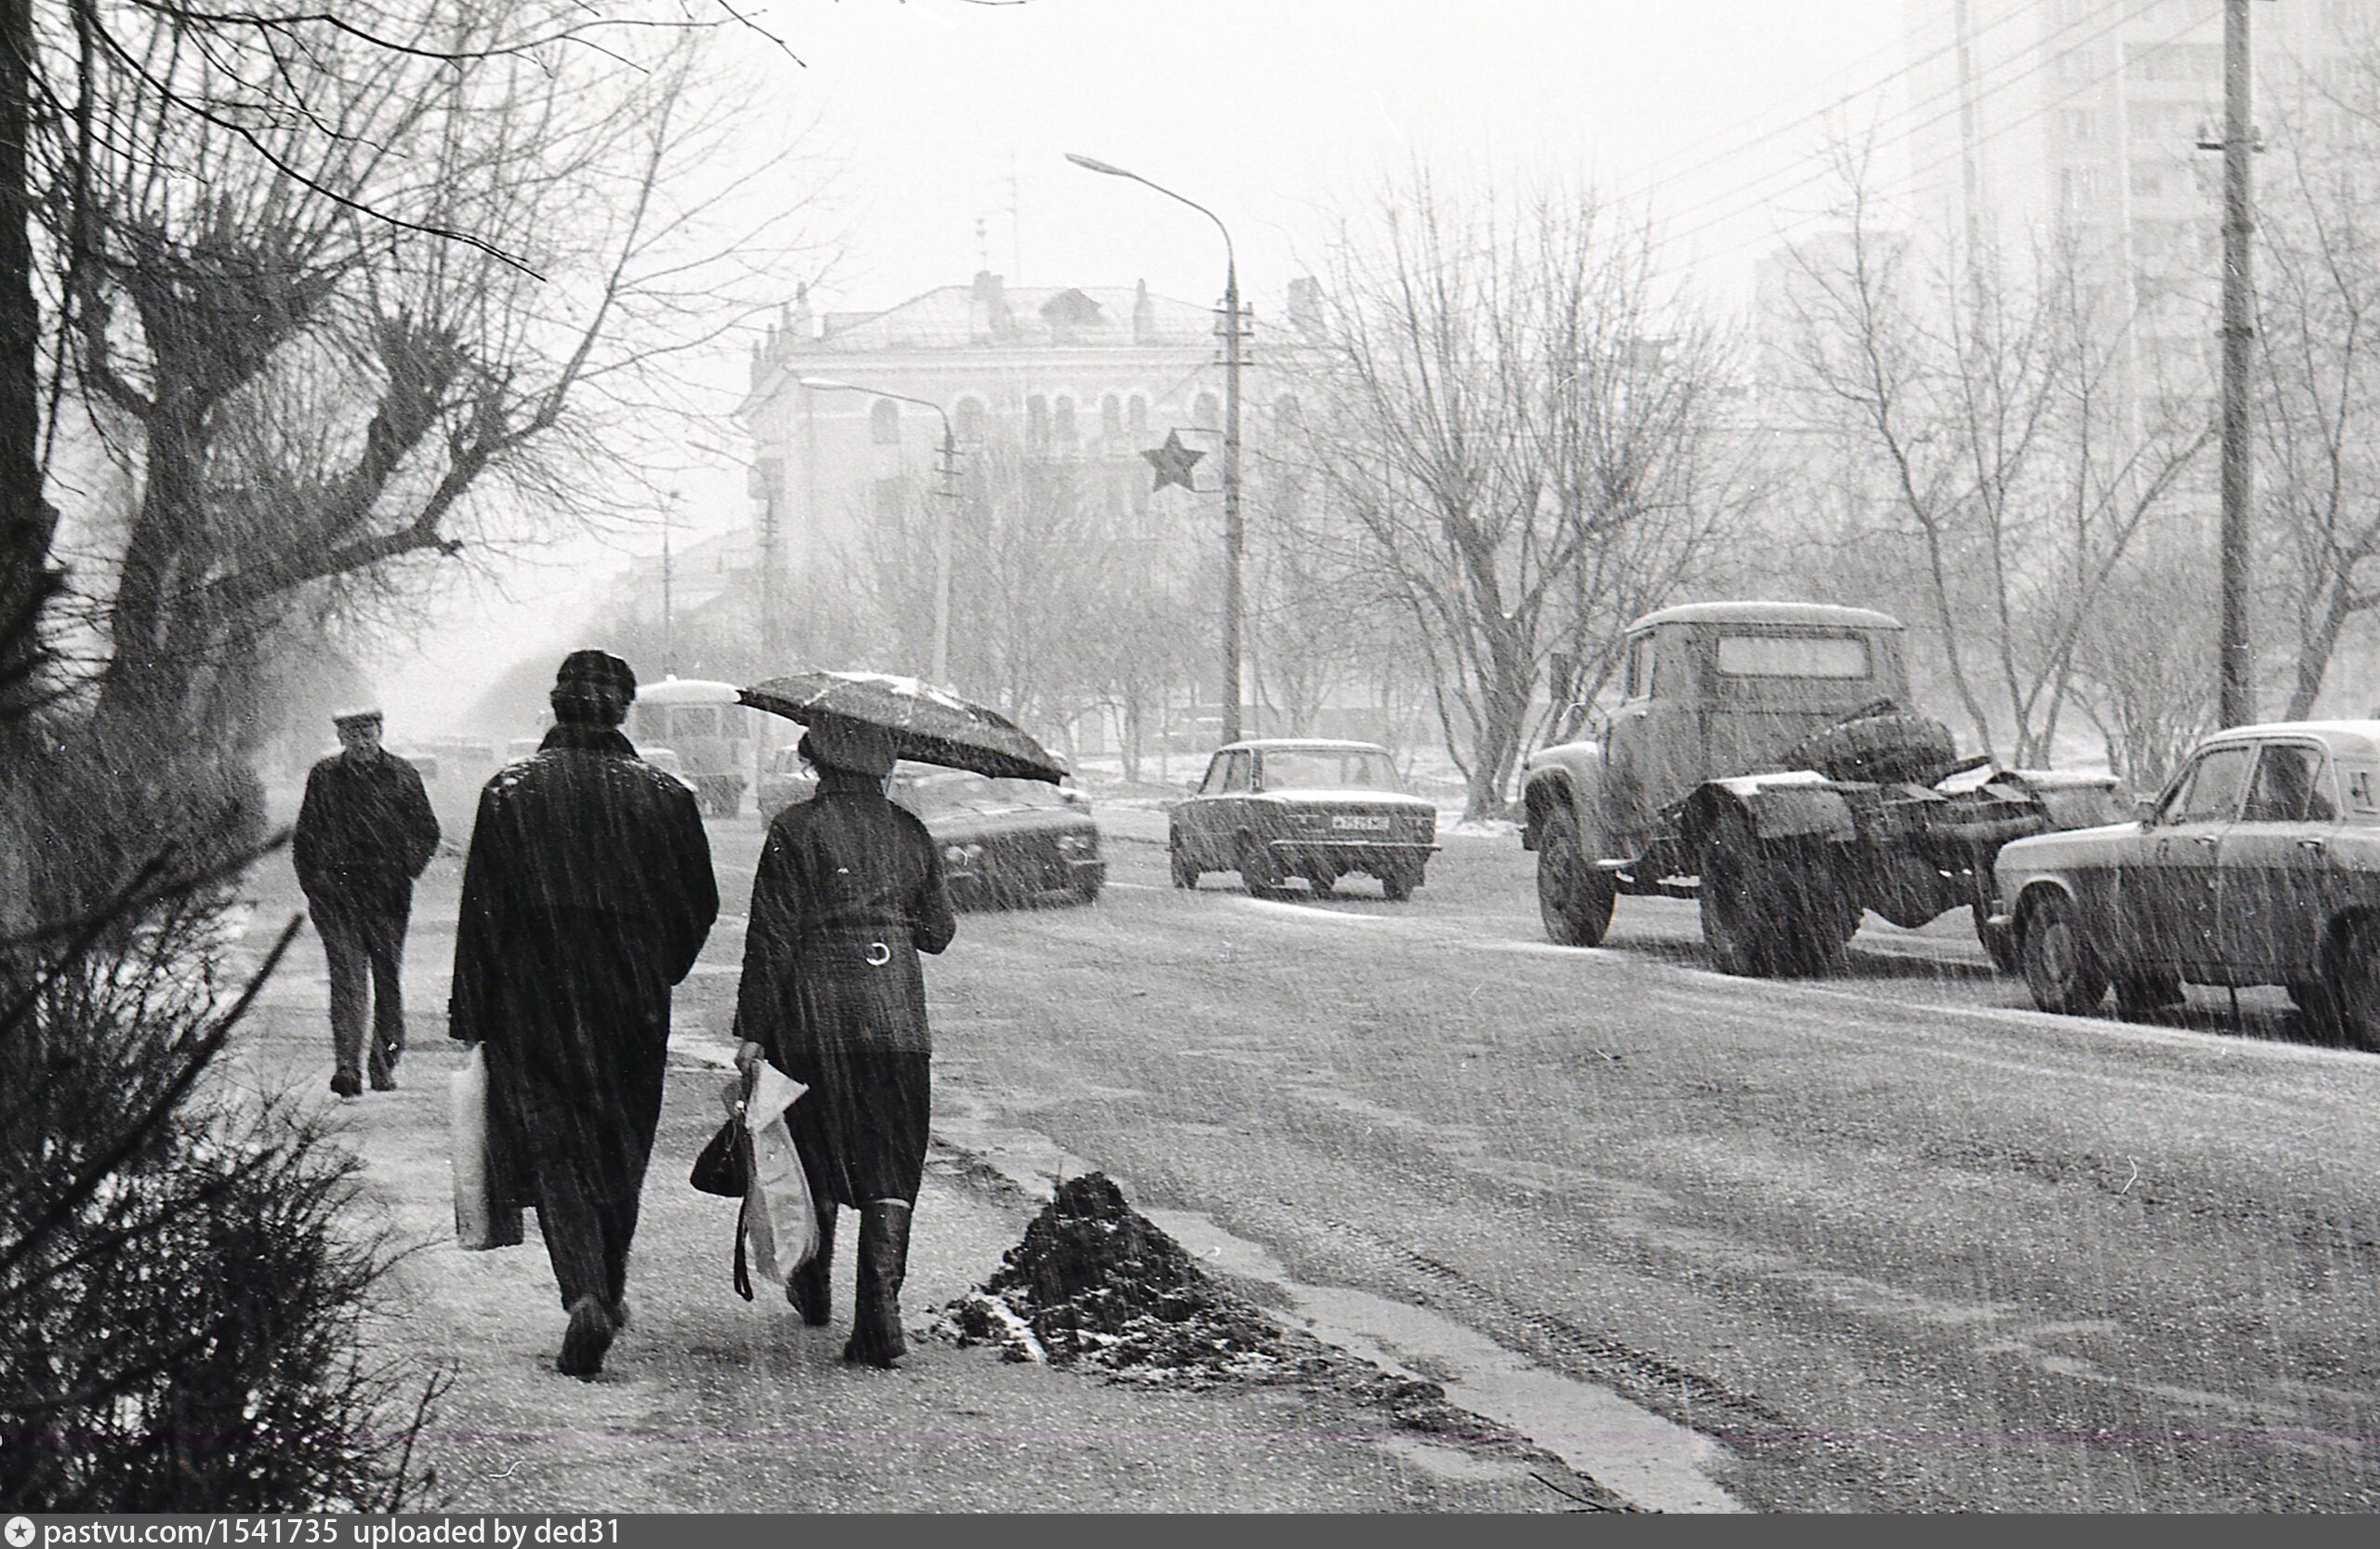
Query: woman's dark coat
(848,892)
(587,896)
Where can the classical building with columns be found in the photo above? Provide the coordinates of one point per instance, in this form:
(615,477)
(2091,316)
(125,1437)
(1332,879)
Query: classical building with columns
(1094,374)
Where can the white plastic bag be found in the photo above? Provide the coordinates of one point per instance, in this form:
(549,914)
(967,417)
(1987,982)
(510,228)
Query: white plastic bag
(780,1224)
(482,1218)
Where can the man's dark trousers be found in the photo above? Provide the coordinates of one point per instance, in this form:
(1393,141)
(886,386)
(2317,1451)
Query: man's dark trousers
(362,927)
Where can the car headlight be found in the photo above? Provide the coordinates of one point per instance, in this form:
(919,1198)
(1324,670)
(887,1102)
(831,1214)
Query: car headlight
(1074,844)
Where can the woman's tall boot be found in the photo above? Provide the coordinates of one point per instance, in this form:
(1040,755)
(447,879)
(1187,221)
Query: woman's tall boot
(811,1289)
(883,1263)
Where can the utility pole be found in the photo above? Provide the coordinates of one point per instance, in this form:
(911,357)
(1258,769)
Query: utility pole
(2236,659)
(1235,534)
(668,633)
(947,496)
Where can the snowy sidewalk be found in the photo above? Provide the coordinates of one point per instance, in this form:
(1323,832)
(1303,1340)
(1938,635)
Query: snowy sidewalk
(710,1404)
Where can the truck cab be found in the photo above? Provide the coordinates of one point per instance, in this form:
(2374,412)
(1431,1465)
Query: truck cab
(1715,689)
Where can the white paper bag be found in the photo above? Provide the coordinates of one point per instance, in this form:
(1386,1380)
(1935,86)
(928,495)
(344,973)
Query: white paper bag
(482,1218)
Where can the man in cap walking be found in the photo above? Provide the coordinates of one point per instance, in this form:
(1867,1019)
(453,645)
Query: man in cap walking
(365,832)
(586,895)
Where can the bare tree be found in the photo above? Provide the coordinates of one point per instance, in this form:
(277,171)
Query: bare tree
(1513,431)
(2319,339)
(2002,413)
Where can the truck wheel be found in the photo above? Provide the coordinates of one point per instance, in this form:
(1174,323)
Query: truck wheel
(1890,745)
(1185,874)
(1735,923)
(2001,949)
(2355,985)
(1397,886)
(1573,898)
(2060,967)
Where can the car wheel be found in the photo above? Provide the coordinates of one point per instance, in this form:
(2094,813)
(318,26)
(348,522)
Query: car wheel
(2355,985)
(1086,892)
(1573,898)
(2061,968)
(1397,886)
(1185,874)
(1258,870)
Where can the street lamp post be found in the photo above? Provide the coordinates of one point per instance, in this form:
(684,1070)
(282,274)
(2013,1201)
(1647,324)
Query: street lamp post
(948,496)
(1234,539)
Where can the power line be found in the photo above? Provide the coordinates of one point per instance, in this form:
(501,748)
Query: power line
(1644,180)
(1731,207)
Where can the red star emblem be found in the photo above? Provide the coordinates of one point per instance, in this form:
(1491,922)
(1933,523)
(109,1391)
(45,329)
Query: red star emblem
(1172,461)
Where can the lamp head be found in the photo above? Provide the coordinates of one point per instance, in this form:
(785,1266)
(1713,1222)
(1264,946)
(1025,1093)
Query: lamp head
(1095,164)
(825,384)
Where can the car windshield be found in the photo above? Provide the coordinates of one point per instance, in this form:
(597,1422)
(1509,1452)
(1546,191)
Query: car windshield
(1327,769)
(957,789)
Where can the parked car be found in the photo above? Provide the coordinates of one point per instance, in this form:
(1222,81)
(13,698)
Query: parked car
(2258,864)
(785,781)
(1004,842)
(1275,808)
(667,760)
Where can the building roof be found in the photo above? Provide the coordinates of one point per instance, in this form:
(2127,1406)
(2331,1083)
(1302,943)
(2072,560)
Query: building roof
(958,316)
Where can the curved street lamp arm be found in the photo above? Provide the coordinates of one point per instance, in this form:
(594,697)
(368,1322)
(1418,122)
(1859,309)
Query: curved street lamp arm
(1231,259)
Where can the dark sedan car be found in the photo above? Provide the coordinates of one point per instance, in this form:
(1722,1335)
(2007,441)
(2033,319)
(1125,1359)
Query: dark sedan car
(2259,865)
(1004,842)
(1277,808)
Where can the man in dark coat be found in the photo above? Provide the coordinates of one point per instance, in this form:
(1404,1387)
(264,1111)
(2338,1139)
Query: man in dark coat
(365,832)
(848,892)
(586,895)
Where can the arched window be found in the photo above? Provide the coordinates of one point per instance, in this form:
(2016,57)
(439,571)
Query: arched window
(1064,429)
(1207,413)
(1111,417)
(884,423)
(1037,421)
(968,423)
(1137,416)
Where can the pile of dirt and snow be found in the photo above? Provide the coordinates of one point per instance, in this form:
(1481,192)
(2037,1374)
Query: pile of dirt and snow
(1096,1284)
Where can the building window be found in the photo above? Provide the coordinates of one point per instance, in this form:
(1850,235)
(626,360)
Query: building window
(1037,421)
(1136,416)
(968,420)
(1207,413)
(884,423)
(1111,417)
(1064,428)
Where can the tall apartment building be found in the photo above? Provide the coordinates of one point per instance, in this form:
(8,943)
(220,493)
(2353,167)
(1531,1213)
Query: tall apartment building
(2083,120)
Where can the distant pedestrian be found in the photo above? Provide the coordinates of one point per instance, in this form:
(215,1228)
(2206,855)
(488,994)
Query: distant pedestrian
(365,832)
(848,892)
(586,895)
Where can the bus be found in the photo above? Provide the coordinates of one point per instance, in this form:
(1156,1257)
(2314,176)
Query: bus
(710,729)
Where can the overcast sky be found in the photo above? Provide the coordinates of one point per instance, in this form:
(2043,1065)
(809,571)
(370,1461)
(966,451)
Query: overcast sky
(945,125)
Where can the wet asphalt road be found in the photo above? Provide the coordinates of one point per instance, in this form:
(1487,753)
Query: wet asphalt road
(1898,1240)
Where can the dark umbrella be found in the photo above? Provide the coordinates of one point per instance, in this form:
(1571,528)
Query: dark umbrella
(930,725)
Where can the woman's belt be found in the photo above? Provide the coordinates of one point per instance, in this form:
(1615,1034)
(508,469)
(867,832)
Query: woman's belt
(855,945)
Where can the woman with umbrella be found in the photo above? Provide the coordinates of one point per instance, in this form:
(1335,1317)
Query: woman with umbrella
(849,892)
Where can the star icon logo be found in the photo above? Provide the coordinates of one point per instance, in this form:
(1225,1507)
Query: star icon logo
(21,1531)
(1172,461)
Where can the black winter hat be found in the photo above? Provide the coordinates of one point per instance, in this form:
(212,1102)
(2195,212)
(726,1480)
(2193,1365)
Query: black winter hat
(598,668)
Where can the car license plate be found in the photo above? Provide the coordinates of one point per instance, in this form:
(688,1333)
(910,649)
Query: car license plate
(1368,825)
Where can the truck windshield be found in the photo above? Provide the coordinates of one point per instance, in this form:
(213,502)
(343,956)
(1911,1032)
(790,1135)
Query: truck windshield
(1793,656)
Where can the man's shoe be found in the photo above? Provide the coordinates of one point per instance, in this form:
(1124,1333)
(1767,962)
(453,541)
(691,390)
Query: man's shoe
(620,1313)
(384,1083)
(346,1085)
(584,1340)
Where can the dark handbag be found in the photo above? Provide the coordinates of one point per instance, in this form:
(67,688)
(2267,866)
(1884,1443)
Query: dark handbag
(720,1169)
